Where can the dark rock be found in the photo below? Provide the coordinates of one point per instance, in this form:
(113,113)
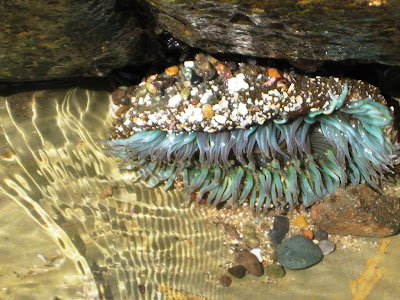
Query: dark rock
(225,281)
(298,252)
(358,210)
(326,246)
(142,288)
(250,262)
(237,271)
(321,235)
(196,79)
(279,230)
(42,40)
(275,271)
(367,31)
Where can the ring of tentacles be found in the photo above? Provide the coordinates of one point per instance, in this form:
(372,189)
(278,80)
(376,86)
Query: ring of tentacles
(276,164)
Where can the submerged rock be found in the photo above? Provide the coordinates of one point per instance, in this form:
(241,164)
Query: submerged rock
(358,210)
(298,252)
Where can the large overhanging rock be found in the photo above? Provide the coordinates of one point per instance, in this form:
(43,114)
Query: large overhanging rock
(43,40)
(362,30)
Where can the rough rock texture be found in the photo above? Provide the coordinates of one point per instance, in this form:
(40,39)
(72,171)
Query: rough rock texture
(43,40)
(364,30)
(358,210)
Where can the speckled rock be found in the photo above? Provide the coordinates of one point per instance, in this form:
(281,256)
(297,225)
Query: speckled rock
(359,30)
(298,252)
(358,210)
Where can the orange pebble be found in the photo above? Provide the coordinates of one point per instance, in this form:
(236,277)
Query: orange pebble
(223,71)
(300,221)
(308,234)
(274,73)
(171,71)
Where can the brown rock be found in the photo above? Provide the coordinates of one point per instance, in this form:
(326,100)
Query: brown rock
(250,262)
(358,210)
(237,271)
(225,281)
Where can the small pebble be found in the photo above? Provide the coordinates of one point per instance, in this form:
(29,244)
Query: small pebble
(208,111)
(142,288)
(223,71)
(250,262)
(171,71)
(279,230)
(309,234)
(196,79)
(321,235)
(274,73)
(300,221)
(149,84)
(275,271)
(237,271)
(122,109)
(326,246)
(299,252)
(225,281)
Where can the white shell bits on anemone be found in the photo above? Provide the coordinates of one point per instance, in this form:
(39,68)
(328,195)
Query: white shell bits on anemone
(274,141)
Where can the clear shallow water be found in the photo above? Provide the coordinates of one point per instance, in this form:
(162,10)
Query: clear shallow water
(74,226)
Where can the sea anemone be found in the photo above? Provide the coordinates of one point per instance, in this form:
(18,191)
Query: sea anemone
(274,164)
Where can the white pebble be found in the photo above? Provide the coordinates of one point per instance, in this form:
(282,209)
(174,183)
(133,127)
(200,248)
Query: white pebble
(257,253)
(221,119)
(175,100)
(189,64)
(237,83)
(242,109)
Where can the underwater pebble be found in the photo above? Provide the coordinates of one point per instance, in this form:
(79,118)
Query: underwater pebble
(237,271)
(142,289)
(274,73)
(250,262)
(279,230)
(321,235)
(208,111)
(308,234)
(300,221)
(223,71)
(149,84)
(275,271)
(298,252)
(225,281)
(237,83)
(171,71)
(326,246)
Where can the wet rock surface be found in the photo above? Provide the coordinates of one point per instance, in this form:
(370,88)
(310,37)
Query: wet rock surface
(298,252)
(42,40)
(360,30)
(358,210)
